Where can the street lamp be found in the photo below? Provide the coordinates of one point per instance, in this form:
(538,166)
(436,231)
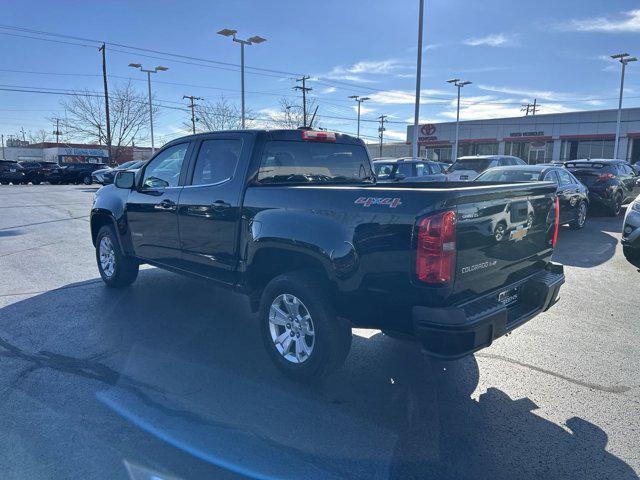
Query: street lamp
(416,117)
(457,83)
(623,58)
(149,72)
(226,32)
(359,99)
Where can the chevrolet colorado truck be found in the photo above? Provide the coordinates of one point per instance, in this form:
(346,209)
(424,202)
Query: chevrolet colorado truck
(295,220)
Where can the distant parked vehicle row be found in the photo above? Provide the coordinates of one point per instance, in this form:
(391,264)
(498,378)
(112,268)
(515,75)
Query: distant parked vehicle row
(105,176)
(409,170)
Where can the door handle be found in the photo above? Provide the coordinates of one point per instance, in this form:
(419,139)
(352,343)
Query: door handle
(220,205)
(165,204)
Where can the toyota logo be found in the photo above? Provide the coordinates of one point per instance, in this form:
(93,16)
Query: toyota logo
(428,129)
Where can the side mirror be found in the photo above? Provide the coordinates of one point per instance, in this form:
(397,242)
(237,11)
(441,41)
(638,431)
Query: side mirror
(125,179)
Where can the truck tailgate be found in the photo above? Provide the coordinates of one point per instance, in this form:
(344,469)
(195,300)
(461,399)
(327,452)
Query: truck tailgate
(503,238)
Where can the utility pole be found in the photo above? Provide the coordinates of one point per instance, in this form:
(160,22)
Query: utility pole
(416,118)
(530,107)
(56,132)
(103,48)
(192,106)
(2,136)
(304,89)
(381,129)
(22,131)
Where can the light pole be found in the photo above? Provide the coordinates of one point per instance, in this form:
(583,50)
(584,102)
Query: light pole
(624,58)
(149,72)
(359,99)
(457,83)
(225,32)
(416,117)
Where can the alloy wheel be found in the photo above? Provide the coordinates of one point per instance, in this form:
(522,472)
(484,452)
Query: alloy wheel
(107,256)
(291,327)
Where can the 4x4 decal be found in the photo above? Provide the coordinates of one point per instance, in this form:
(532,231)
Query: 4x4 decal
(384,201)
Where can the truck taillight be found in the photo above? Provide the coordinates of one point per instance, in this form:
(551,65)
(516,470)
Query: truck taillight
(557,224)
(436,248)
(314,136)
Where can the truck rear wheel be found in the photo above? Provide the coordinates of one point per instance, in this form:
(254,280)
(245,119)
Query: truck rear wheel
(301,333)
(116,269)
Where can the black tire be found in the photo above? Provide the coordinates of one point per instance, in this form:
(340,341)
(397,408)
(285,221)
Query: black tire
(87,180)
(126,268)
(332,339)
(632,255)
(614,210)
(577,224)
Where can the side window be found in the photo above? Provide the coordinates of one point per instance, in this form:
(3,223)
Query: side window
(164,170)
(405,169)
(627,169)
(422,169)
(551,177)
(565,179)
(435,168)
(217,161)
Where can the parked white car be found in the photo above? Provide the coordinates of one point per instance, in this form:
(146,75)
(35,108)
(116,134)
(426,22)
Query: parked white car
(468,168)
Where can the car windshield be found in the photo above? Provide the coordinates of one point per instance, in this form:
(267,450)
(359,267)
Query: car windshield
(508,175)
(313,162)
(475,164)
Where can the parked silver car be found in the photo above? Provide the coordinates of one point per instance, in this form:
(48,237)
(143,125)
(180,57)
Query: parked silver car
(468,168)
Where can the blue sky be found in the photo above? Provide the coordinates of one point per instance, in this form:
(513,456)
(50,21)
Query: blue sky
(512,51)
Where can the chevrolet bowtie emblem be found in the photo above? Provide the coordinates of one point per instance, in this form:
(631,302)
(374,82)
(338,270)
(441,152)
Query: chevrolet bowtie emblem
(519,233)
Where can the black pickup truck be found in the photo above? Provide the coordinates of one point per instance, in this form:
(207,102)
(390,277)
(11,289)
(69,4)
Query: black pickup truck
(295,219)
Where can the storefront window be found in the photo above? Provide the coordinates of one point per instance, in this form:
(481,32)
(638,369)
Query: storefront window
(574,149)
(439,154)
(468,149)
(530,152)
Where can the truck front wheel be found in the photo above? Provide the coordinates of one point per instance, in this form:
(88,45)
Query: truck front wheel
(116,269)
(301,332)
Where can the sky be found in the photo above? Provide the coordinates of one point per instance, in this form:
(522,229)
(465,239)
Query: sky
(513,51)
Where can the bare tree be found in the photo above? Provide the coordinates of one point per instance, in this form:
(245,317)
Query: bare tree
(39,136)
(291,114)
(85,118)
(220,115)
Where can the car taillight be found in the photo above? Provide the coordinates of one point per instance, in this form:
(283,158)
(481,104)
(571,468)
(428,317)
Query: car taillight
(557,224)
(314,136)
(436,248)
(604,177)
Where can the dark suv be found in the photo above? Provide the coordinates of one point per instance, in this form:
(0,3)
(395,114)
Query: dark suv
(80,172)
(11,172)
(610,182)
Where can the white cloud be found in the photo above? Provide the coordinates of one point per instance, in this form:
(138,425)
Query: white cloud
(544,94)
(406,97)
(394,135)
(506,108)
(328,90)
(630,22)
(365,67)
(493,40)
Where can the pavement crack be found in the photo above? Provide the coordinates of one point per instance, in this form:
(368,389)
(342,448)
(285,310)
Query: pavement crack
(594,386)
(30,248)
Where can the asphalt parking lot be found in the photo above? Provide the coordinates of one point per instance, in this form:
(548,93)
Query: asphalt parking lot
(169,378)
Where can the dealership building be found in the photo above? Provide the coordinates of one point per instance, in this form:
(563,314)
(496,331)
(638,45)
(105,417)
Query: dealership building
(535,138)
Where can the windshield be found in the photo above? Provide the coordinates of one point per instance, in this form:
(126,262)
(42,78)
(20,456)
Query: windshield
(475,164)
(313,162)
(507,175)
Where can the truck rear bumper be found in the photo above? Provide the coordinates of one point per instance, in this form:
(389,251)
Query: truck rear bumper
(454,332)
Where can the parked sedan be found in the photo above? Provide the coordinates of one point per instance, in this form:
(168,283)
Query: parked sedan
(611,182)
(105,176)
(573,196)
(631,233)
(11,172)
(34,172)
(408,170)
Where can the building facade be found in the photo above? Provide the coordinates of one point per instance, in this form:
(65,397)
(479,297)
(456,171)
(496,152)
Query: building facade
(72,153)
(536,138)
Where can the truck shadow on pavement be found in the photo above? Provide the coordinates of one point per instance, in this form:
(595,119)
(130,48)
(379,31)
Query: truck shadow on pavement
(591,246)
(182,361)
